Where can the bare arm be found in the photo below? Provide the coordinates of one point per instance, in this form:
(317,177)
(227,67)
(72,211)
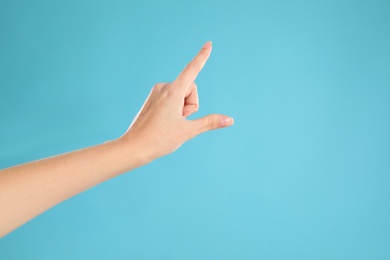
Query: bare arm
(160,128)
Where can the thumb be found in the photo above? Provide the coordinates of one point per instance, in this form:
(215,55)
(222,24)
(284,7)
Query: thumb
(212,122)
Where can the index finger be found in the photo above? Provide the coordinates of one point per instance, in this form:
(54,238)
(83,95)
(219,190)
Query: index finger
(191,71)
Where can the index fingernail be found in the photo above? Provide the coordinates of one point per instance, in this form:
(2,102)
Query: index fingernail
(207,44)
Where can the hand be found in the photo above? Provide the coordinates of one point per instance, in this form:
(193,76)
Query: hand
(161,126)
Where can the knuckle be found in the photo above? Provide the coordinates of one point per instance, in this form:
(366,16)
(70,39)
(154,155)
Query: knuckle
(170,90)
(212,123)
(196,108)
(158,86)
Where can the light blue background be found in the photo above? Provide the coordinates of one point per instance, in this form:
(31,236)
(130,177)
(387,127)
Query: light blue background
(303,174)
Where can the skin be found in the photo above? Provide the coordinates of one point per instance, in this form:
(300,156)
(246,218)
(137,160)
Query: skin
(159,128)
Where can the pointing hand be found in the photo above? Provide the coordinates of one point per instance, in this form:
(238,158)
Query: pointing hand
(161,126)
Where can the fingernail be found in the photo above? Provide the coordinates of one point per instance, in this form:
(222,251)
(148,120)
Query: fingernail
(227,121)
(207,44)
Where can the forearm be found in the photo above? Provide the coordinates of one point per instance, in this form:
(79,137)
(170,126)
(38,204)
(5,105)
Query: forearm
(29,189)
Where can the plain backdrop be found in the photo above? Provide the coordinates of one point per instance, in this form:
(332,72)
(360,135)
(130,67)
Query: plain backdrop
(303,174)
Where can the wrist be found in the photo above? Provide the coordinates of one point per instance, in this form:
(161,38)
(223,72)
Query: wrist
(133,150)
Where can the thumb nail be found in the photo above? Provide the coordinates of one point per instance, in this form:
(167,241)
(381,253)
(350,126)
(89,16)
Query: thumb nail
(227,121)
